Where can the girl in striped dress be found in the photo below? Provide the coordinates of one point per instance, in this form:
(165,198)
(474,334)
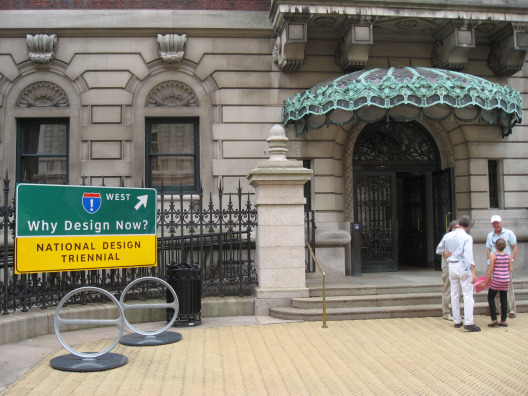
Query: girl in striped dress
(499,272)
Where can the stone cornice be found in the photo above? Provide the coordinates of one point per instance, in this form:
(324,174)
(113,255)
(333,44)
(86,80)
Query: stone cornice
(463,9)
(508,6)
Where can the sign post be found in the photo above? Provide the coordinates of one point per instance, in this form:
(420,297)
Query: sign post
(72,228)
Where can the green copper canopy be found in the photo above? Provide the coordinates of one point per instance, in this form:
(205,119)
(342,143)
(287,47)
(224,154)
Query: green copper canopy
(403,95)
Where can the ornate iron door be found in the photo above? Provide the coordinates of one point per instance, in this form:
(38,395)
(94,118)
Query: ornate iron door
(413,240)
(376,212)
(381,150)
(443,211)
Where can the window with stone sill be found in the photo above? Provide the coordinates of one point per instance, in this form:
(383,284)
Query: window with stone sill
(172,154)
(493,179)
(308,187)
(42,154)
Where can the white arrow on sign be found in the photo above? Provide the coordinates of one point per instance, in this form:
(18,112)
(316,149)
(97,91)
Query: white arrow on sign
(142,201)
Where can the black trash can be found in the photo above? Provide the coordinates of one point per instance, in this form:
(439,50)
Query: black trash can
(186,280)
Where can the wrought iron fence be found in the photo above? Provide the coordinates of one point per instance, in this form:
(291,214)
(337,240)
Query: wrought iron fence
(218,239)
(215,233)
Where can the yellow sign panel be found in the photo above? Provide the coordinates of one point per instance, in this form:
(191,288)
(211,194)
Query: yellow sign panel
(45,254)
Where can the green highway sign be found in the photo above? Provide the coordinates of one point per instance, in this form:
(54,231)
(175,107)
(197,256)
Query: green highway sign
(50,210)
(80,227)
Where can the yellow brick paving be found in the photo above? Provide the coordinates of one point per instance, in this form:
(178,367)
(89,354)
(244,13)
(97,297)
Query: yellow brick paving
(422,356)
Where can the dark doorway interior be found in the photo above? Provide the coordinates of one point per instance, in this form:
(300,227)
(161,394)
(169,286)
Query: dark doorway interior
(412,220)
(395,164)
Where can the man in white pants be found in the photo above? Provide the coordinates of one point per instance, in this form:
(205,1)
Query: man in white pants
(461,271)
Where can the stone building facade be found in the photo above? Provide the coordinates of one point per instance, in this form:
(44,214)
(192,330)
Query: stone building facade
(186,95)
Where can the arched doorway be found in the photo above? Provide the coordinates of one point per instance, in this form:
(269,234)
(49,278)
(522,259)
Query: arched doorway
(402,199)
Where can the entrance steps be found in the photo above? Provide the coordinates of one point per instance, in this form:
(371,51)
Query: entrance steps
(371,302)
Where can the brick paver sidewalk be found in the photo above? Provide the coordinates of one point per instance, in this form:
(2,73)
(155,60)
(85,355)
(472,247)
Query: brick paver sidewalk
(422,356)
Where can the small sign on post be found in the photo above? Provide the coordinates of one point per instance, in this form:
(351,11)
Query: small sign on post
(72,228)
(355,267)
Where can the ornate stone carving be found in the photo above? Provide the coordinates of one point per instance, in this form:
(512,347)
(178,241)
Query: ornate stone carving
(348,211)
(42,94)
(288,52)
(41,47)
(508,49)
(171,94)
(453,43)
(171,47)
(437,53)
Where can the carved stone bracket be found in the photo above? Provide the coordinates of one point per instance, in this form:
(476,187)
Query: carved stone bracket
(41,47)
(352,54)
(171,94)
(288,52)
(508,49)
(454,41)
(42,94)
(171,47)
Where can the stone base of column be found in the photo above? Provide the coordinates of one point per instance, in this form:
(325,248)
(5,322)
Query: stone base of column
(330,250)
(331,260)
(281,297)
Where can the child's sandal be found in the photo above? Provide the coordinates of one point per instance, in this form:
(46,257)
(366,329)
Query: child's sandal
(503,324)
(493,324)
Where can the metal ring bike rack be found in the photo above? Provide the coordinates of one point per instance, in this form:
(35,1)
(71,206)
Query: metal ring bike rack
(149,338)
(88,361)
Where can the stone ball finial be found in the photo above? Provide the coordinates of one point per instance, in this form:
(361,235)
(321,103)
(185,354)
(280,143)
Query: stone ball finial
(277,130)
(277,143)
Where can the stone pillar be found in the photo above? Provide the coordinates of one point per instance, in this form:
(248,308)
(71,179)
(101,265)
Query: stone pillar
(279,199)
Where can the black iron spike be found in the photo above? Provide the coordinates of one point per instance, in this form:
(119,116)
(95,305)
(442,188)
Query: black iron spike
(6,180)
(181,189)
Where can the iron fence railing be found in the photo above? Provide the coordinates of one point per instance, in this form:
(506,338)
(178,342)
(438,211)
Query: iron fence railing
(217,236)
(215,233)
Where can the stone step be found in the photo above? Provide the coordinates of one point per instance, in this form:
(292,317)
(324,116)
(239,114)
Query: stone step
(385,300)
(372,290)
(361,290)
(415,311)
(376,302)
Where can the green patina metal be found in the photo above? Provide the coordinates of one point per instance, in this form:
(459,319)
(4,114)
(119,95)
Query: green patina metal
(403,95)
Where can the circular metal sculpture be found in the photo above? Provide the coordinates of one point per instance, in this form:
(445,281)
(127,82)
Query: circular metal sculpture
(88,361)
(150,338)
(403,95)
